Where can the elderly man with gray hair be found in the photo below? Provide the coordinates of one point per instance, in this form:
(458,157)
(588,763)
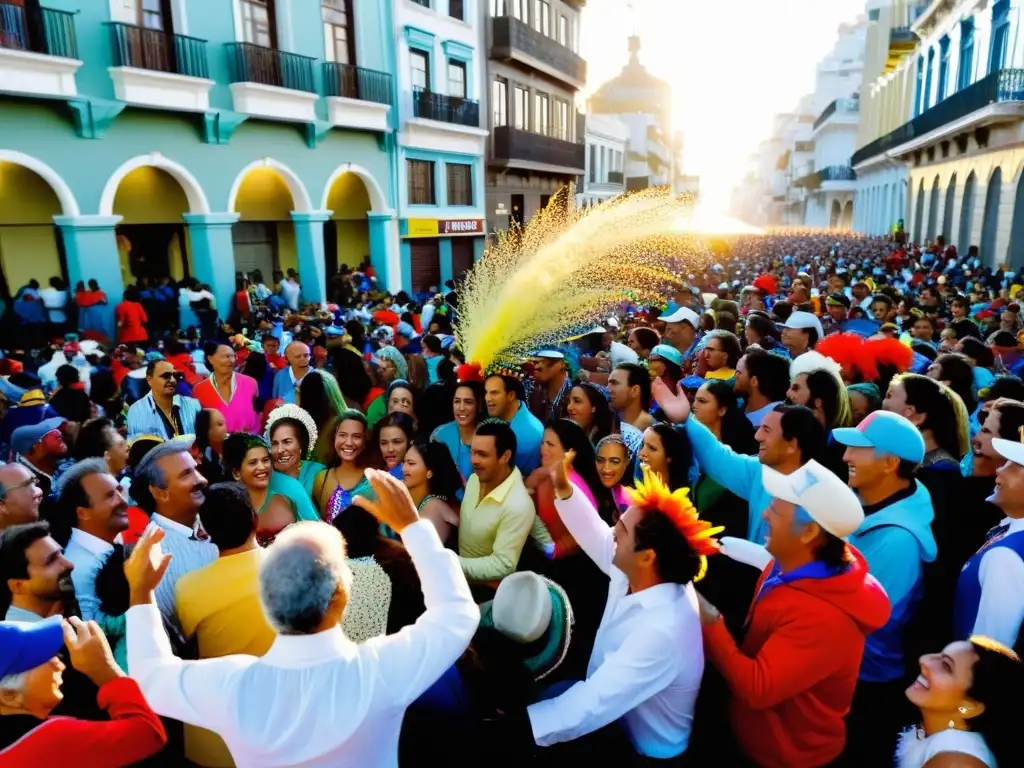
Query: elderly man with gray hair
(168,486)
(315,698)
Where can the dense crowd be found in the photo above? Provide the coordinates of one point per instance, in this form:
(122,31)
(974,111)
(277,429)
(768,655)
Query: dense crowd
(776,521)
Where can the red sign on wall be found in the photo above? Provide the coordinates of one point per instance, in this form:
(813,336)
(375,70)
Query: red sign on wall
(461,226)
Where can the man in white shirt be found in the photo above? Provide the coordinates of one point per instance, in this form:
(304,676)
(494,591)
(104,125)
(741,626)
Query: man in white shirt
(648,657)
(290,292)
(315,698)
(92,503)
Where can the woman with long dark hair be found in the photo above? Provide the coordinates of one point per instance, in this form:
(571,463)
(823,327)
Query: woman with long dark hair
(435,484)
(391,438)
(469,409)
(345,478)
(321,398)
(616,463)
(355,383)
(666,451)
(588,406)
(211,432)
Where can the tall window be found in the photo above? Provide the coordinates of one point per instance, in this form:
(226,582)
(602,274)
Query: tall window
(522,109)
(420,63)
(148,13)
(563,31)
(928,80)
(457,9)
(421,182)
(499,102)
(541,117)
(542,17)
(919,86)
(592,171)
(456,78)
(562,119)
(460,183)
(1000,35)
(966,70)
(520,9)
(499,7)
(339,40)
(944,56)
(257,22)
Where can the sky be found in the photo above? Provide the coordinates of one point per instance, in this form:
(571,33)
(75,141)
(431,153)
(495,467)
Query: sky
(732,65)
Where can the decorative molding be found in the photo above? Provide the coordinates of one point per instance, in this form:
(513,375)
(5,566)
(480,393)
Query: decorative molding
(211,219)
(37,73)
(315,131)
(419,38)
(271,101)
(94,116)
(373,189)
(193,190)
(311,216)
(161,89)
(68,204)
(457,50)
(300,197)
(357,114)
(87,222)
(219,126)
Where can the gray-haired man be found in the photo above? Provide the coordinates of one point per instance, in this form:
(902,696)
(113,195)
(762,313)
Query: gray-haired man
(168,485)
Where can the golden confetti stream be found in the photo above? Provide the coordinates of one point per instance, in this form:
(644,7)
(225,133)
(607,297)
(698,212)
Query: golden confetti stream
(569,268)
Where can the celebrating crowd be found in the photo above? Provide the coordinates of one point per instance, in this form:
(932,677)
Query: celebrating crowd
(776,521)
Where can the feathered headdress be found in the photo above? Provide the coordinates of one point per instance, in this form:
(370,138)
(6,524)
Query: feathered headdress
(652,494)
(859,358)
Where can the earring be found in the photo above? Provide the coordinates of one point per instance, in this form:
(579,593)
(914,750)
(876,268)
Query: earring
(429,475)
(963,710)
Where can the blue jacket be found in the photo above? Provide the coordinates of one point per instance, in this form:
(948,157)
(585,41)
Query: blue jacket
(896,541)
(529,433)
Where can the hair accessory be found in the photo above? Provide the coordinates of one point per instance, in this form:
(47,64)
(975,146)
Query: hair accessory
(652,494)
(292,411)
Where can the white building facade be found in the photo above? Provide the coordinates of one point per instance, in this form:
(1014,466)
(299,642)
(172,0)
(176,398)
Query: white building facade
(607,140)
(441,146)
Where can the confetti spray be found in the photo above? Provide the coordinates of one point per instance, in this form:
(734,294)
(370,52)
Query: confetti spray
(571,267)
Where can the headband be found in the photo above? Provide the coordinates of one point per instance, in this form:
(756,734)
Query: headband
(301,415)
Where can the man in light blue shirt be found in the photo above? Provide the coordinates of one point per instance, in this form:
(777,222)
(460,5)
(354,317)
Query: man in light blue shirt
(505,397)
(162,412)
(287,380)
(32,566)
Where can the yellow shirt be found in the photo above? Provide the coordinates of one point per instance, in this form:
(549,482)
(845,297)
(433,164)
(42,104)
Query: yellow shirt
(493,530)
(721,373)
(220,605)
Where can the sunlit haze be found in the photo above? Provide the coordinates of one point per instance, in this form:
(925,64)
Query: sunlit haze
(732,66)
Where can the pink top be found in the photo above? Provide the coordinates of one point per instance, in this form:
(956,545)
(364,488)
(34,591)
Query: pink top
(239,413)
(544,500)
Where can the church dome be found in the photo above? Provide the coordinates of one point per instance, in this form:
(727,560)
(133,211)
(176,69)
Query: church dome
(633,90)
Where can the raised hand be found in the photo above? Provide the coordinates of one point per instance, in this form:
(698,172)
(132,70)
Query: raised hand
(90,652)
(676,405)
(560,475)
(393,505)
(146,566)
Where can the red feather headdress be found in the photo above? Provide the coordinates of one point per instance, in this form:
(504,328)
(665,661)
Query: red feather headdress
(859,357)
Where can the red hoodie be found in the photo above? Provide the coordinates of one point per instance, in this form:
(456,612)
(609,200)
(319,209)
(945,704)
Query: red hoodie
(792,680)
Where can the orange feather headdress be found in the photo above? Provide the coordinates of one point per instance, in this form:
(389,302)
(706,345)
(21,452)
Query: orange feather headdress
(652,494)
(860,357)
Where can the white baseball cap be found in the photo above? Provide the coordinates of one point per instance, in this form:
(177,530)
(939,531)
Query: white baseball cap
(1009,450)
(804,320)
(828,500)
(683,315)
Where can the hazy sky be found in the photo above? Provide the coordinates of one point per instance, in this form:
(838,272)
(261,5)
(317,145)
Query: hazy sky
(732,64)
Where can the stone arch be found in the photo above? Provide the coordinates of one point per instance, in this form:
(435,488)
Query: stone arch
(990,222)
(966,214)
(846,219)
(947,211)
(933,211)
(378,202)
(919,214)
(835,215)
(68,203)
(197,200)
(300,197)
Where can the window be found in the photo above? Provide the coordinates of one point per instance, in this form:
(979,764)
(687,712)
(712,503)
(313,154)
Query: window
(456,78)
(1000,35)
(542,17)
(339,41)
(499,102)
(966,71)
(457,9)
(541,118)
(928,80)
(519,9)
(256,22)
(460,184)
(521,115)
(944,55)
(148,13)
(562,119)
(592,171)
(420,63)
(499,7)
(918,86)
(563,31)
(421,182)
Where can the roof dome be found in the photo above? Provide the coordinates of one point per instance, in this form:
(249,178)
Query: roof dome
(633,90)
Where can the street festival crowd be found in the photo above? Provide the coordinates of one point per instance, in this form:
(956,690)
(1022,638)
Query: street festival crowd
(776,521)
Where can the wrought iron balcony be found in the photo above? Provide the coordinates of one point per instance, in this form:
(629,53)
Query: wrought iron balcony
(250,63)
(514,39)
(1004,86)
(840,106)
(447,109)
(42,30)
(353,82)
(511,145)
(157,50)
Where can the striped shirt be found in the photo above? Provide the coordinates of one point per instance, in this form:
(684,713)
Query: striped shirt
(144,417)
(187,554)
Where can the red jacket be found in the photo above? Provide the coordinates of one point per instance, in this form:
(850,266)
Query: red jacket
(133,733)
(792,681)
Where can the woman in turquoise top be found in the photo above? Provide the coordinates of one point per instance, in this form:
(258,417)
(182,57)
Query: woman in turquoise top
(334,488)
(470,409)
(292,433)
(279,500)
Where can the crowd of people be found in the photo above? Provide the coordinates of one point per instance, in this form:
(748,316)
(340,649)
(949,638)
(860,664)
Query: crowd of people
(776,521)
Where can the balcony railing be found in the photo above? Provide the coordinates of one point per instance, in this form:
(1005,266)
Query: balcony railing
(447,109)
(1007,85)
(250,63)
(615,177)
(514,144)
(45,31)
(158,50)
(837,173)
(510,34)
(842,106)
(352,82)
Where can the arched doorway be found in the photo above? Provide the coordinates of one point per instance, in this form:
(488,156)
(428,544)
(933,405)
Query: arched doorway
(991,221)
(350,194)
(1017,231)
(933,212)
(886,208)
(919,214)
(846,220)
(966,215)
(947,212)
(31,194)
(835,216)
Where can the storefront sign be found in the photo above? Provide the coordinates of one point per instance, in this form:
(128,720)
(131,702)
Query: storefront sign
(443,227)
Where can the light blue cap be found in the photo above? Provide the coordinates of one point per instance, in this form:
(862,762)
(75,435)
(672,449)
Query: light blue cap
(885,432)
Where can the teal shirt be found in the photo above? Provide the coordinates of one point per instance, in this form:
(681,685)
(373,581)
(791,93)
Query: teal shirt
(307,473)
(297,496)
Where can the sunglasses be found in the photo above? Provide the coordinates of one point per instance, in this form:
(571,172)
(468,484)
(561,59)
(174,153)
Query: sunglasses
(172,375)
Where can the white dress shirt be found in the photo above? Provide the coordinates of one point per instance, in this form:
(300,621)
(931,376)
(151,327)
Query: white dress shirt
(315,700)
(187,554)
(87,553)
(1001,574)
(647,661)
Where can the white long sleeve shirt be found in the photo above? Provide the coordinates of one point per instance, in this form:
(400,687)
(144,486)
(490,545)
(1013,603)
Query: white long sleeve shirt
(1001,574)
(315,700)
(647,661)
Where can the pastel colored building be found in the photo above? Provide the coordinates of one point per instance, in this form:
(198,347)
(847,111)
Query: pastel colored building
(143,138)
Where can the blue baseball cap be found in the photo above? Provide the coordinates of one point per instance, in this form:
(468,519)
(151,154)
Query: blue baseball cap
(667,352)
(886,432)
(26,646)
